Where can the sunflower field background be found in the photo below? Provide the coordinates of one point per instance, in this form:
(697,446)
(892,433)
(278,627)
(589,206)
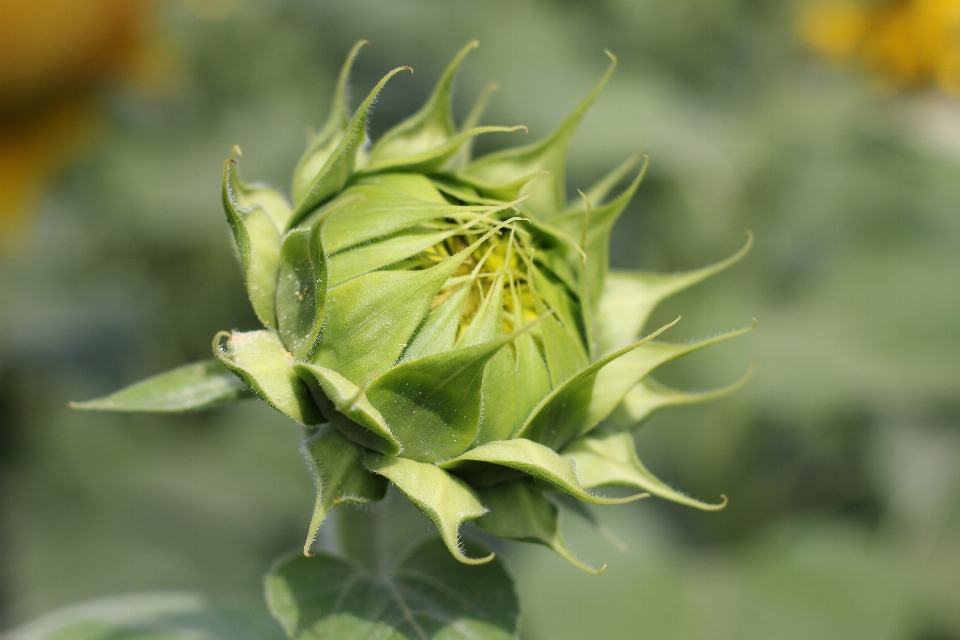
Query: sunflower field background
(832,131)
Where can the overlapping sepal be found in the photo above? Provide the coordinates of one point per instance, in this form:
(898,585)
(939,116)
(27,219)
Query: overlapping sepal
(253,215)
(518,510)
(629,297)
(323,144)
(606,459)
(520,163)
(338,166)
(446,500)
(260,359)
(340,476)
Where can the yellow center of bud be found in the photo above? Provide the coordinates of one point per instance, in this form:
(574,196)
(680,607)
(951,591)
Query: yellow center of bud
(497,266)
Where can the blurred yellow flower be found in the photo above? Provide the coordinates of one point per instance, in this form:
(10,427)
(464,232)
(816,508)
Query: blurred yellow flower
(911,43)
(55,56)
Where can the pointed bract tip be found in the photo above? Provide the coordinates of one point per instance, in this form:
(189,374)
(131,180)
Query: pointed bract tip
(221,340)
(457,59)
(724,501)
(610,55)
(235,153)
(465,559)
(578,563)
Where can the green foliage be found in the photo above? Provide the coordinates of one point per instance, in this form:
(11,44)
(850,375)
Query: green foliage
(337,465)
(446,500)
(520,511)
(161,616)
(188,388)
(426,596)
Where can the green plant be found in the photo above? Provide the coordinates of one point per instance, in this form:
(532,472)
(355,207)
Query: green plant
(447,325)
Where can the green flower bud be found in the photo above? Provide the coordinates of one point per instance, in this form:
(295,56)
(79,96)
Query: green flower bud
(443,323)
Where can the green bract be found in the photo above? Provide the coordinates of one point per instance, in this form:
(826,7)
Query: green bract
(443,323)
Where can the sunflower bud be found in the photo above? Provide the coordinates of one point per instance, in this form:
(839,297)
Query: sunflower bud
(443,323)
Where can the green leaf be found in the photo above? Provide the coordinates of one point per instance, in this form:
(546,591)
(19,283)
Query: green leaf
(260,360)
(427,596)
(630,297)
(339,166)
(325,142)
(581,401)
(531,458)
(371,318)
(258,243)
(347,408)
(338,471)
(548,154)
(519,511)
(610,459)
(447,501)
(429,127)
(650,396)
(150,616)
(200,385)
(301,290)
(433,403)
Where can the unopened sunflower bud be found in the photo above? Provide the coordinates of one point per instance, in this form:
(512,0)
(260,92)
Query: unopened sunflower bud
(444,324)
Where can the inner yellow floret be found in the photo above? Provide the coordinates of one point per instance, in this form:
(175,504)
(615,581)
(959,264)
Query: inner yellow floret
(504,255)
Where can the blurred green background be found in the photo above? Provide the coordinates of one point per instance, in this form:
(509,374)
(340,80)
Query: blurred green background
(841,457)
